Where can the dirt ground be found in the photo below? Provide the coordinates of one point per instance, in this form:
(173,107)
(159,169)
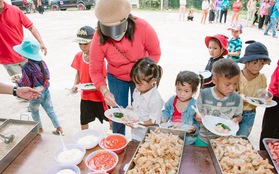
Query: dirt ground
(182,45)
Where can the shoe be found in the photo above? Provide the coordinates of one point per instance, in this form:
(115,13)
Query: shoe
(274,36)
(266,34)
(56,132)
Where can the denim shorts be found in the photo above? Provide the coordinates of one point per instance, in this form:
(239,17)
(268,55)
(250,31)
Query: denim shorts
(245,126)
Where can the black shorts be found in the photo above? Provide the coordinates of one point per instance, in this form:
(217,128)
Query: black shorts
(90,110)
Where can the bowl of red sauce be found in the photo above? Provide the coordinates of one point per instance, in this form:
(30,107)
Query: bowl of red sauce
(101,161)
(114,142)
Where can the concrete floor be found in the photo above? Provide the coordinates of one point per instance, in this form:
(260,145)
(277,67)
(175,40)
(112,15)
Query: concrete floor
(182,45)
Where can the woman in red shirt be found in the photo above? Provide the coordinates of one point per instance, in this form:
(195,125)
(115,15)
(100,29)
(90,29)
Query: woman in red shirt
(121,39)
(235,11)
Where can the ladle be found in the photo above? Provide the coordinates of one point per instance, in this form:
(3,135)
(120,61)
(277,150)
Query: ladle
(62,141)
(8,139)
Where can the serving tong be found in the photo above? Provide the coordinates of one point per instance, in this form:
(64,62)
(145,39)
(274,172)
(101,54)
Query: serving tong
(8,139)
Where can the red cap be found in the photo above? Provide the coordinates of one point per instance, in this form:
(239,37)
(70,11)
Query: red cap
(222,39)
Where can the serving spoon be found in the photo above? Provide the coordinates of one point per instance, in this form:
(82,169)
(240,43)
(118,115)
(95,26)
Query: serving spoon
(8,139)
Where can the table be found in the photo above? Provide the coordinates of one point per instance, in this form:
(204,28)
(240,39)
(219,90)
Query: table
(38,156)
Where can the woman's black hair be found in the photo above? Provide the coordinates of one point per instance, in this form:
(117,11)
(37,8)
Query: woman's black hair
(145,69)
(131,27)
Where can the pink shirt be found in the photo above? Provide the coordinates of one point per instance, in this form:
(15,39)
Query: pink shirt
(145,43)
(11,33)
(263,8)
(273,86)
(237,6)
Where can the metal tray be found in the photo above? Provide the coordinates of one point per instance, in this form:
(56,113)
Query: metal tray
(265,142)
(181,134)
(214,157)
(2,120)
(24,131)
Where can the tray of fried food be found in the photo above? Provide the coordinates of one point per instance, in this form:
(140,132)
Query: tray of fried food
(16,77)
(235,154)
(159,152)
(272,147)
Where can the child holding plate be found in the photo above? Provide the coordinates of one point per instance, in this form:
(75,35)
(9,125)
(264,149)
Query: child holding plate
(147,101)
(220,100)
(92,104)
(35,74)
(178,109)
(251,81)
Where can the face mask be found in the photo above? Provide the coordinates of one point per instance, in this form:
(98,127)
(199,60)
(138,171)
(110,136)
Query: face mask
(118,37)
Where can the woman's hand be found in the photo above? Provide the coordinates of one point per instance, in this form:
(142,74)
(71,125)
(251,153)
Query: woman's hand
(109,98)
(193,129)
(74,89)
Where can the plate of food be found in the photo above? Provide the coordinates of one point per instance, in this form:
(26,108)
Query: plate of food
(177,126)
(261,102)
(86,86)
(220,126)
(16,77)
(116,115)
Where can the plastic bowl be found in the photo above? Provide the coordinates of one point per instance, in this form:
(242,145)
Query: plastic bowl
(61,167)
(112,138)
(72,157)
(102,163)
(88,138)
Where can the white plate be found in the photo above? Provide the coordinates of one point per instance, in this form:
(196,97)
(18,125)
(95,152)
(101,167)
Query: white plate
(86,86)
(210,121)
(129,114)
(181,126)
(249,100)
(205,74)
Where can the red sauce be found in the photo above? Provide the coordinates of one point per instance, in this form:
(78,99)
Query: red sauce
(102,161)
(113,142)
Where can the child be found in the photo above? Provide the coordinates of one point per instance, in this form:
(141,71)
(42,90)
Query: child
(220,99)
(251,80)
(217,47)
(35,74)
(147,102)
(92,104)
(190,16)
(270,126)
(182,10)
(205,9)
(178,107)
(235,43)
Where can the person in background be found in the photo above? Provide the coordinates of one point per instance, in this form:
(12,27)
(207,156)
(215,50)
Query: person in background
(147,101)
(251,10)
(267,17)
(40,7)
(178,109)
(12,34)
(220,99)
(270,126)
(235,43)
(92,104)
(263,12)
(182,10)
(256,15)
(22,92)
(235,11)
(251,80)
(190,16)
(273,20)
(212,10)
(217,48)
(218,9)
(35,74)
(205,9)
(225,5)
(121,39)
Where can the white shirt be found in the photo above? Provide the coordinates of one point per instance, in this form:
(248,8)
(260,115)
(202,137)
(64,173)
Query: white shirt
(148,106)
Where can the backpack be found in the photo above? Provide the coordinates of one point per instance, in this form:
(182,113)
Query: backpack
(270,10)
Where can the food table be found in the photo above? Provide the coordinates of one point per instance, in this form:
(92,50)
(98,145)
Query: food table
(38,157)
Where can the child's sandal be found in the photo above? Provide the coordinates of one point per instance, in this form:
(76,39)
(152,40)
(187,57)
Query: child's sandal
(56,132)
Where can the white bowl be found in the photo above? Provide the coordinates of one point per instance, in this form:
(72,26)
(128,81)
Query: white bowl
(113,141)
(88,138)
(61,167)
(73,155)
(101,161)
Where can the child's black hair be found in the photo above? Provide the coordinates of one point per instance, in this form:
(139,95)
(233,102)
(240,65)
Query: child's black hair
(189,77)
(226,67)
(145,69)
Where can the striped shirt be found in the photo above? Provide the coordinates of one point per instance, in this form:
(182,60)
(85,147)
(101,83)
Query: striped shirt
(234,45)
